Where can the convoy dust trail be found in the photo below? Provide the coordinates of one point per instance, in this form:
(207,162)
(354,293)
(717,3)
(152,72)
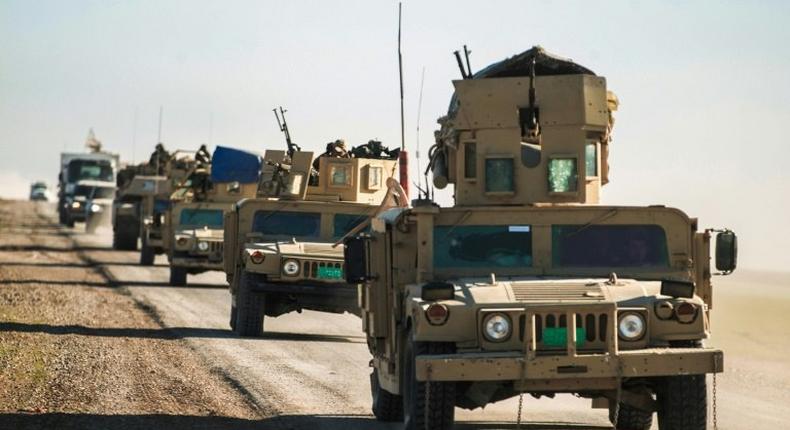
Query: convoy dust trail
(89,339)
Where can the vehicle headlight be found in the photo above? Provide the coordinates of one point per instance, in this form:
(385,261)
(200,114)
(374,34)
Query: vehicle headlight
(202,246)
(497,327)
(95,208)
(291,267)
(76,205)
(631,326)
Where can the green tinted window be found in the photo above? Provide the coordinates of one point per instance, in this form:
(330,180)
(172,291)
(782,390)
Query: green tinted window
(562,175)
(499,175)
(482,246)
(344,223)
(609,246)
(201,217)
(591,159)
(282,223)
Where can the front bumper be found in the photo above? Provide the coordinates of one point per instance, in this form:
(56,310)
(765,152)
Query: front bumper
(77,214)
(515,366)
(196,262)
(307,288)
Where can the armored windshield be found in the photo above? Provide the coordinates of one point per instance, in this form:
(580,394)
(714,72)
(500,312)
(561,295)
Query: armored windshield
(98,170)
(609,246)
(284,223)
(201,218)
(343,223)
(482,246)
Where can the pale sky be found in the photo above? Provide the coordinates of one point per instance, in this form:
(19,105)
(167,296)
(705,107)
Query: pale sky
(703,91)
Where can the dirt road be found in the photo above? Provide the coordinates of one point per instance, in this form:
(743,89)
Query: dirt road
(89,339)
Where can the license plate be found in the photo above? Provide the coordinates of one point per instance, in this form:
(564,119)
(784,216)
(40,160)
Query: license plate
(557,336)
(330,273)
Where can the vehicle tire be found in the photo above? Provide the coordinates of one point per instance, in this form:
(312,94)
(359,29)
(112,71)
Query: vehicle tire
(631,418)
(61,216)
(249,308)
(69,222)
(683,403)
(124,239)
(147,254)
(419,412)
(233,315)
(387,407)
(178,276)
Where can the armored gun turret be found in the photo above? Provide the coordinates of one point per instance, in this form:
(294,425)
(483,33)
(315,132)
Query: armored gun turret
(534,128)
(527,285)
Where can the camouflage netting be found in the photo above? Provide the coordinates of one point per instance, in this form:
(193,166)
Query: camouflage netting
(546,64)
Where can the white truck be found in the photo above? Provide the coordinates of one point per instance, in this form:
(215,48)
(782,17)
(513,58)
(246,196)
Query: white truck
(81,177)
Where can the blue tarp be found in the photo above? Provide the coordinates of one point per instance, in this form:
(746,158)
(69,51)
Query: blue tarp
(234,165)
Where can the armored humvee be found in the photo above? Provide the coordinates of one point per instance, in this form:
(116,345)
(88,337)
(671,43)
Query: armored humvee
(172,171)
(283,249)
(193,225)
(527,284)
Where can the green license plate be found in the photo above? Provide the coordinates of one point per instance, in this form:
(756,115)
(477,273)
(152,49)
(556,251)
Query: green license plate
(557,336)
(330,273)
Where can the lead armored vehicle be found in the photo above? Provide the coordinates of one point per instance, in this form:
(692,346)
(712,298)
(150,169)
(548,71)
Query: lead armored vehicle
(283,249)
(193,225)
(527,285)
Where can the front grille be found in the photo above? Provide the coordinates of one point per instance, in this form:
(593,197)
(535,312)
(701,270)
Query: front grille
(310,268)
(551,293)
(215,247)
(594,338)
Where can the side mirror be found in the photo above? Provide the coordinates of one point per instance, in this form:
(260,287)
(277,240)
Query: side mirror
(356,253)
(726,251)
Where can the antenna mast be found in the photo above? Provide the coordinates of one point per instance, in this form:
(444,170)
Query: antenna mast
(419,113)
(403,157)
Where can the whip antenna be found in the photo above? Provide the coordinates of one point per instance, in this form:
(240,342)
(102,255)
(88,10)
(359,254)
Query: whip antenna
(403,157)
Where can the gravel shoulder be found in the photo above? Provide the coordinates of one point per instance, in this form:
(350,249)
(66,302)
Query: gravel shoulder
(78,352)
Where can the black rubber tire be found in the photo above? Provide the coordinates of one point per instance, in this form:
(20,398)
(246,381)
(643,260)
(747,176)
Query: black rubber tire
(441,405)
(147,254)
(631,418)
(123,239)
(178,276)
(249,308)
(387,407)
(61,216)
(683,403)
(69,222)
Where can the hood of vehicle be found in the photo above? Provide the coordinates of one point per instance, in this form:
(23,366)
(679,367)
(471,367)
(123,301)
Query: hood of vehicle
(309,249)
(555,290)
(201,233)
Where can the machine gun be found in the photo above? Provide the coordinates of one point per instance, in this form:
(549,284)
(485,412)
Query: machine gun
(292,147)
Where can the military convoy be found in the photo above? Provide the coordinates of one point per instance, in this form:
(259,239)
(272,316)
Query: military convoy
(527,284)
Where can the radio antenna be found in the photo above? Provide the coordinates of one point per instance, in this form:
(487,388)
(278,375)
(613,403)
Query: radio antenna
(403,157)
(419,113)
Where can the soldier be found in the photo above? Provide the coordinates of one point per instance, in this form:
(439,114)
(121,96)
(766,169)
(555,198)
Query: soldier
(159,158)
(336,149)
(203,156)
